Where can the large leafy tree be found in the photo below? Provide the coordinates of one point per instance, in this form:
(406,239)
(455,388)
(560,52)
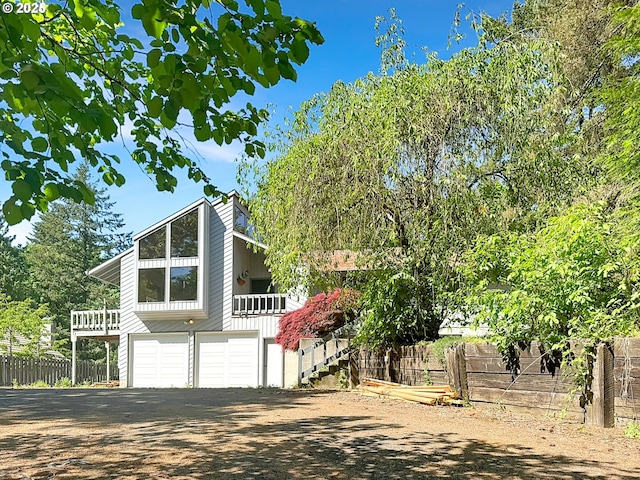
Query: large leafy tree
(22,324)
(411,164)
(71,81)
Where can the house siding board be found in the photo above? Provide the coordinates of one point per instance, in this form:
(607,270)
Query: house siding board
(220,220)
(266,325)
(127,272)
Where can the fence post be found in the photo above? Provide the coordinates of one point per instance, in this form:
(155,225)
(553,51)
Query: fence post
(601,412)
(457,370)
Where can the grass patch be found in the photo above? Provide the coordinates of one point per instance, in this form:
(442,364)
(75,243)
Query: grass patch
(632,430)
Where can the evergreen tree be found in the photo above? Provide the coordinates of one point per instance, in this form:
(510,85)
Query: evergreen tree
(13,267)
(67,241)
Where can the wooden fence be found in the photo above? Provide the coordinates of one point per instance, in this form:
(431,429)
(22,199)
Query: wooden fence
(534,383)
(26,371)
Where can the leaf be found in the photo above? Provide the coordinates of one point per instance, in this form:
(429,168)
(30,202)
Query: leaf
(153,23)
(39,144)
(22,190)
(154,106)
(299,49)
(12,213)
(153,58)
(287,71)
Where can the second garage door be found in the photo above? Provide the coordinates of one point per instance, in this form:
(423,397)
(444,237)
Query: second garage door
(227,360)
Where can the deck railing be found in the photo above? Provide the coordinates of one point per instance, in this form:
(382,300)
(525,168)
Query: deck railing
(259,304)
(106,321)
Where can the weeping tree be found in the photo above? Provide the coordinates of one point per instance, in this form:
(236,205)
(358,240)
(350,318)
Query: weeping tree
(408,166)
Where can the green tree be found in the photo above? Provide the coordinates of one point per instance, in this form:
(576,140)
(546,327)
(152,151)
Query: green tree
(408,166)
(13,268)
(22,324)
(571,280)
(68,240)
(71,80)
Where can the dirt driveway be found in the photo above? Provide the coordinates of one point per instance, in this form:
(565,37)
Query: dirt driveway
(277,434)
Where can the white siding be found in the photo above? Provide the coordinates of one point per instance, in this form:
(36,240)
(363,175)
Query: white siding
(127,317)
(266,325)
(220,264)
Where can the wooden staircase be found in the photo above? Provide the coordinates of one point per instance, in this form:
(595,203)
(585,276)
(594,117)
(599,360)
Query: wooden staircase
(324,356)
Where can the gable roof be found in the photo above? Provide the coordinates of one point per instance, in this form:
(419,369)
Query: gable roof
(181,212)
(109,271)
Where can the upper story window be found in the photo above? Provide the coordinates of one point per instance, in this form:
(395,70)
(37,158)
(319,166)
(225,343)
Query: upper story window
(169,262)
(184,236)
(241,224)
(154,245)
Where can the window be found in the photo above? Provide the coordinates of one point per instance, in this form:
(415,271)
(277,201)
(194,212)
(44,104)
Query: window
(184,283)
(168,262)
(154,245)
(262,285)
(240,222)
(184,236)
(242,225)
(151,285)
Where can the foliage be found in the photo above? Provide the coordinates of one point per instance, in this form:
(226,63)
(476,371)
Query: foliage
(13,267)
(320,315)
(22,323)
(394,311)
(67,241)
(619,95)
(342,378)
(632,430)
(63,382)
(407,167)
(39,384)
(568,281)
(72,82)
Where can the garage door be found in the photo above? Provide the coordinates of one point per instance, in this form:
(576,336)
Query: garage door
(227,360)
(160,360)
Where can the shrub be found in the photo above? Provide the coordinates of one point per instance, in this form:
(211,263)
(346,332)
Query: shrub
(320,315)
(64,382)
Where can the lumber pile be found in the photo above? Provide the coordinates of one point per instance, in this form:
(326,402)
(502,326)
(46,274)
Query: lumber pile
(428,395)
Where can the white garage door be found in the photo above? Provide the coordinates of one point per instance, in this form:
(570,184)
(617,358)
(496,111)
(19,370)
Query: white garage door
(160,360)
(227,360)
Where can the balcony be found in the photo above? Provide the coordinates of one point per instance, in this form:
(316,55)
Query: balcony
(95,323)
(260,304)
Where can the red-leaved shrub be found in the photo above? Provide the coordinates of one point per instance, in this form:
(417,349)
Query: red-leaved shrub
(319,316)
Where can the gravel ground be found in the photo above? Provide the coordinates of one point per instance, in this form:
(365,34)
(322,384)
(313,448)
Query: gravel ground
(279,434)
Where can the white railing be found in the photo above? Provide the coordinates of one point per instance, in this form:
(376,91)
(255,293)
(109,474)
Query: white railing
(259,304)
(107,321)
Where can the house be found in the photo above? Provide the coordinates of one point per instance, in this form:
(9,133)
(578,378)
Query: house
(197,306)
(18,344)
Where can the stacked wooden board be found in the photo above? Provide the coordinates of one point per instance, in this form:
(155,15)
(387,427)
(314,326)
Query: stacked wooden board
(427,394)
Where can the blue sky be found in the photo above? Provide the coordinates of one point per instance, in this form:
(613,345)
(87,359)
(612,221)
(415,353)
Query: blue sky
(349,52)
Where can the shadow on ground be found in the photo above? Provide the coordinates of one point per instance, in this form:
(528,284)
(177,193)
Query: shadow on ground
(243,434)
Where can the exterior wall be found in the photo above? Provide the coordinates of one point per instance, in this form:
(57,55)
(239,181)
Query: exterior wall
(220,281)
(220,264)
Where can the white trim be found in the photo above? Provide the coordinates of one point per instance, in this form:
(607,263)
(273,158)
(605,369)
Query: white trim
(248,239)
(112,265)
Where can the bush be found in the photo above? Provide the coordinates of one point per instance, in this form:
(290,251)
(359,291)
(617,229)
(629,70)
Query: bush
(319,316)
(39,384)
(64,382)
